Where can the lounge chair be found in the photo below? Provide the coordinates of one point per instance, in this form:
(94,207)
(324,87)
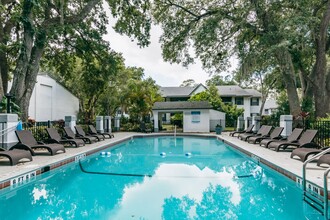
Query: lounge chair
(26,140)
(93,131)
(15,156)
(54,137)
(324,159)
(308,150)
(291,138)
(264,130)
(275,134)
(305,140)
(248,130)
(70,135)
(81,133)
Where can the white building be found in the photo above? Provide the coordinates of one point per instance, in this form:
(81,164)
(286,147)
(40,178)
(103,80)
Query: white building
(270,107)
(248,99)
(51,101)
(197,116)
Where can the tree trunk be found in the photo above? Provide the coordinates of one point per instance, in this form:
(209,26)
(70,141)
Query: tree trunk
(322,87)
(24,84)
(285,62)
(27,65)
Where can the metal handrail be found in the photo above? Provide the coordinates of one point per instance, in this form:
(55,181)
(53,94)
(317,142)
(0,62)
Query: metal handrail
(7,130)
(325,192)
(325,180)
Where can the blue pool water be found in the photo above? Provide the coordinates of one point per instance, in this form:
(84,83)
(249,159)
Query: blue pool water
(168,178)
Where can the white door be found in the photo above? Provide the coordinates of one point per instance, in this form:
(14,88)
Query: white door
(44,103)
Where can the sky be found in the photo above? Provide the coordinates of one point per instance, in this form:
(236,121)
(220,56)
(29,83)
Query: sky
(150,59)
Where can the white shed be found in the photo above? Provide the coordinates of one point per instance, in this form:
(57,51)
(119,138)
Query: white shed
(51,101)
(197,116)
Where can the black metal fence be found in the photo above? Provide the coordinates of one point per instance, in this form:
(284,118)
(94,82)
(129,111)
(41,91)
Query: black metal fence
(38,128)
(322,138)
(323,127)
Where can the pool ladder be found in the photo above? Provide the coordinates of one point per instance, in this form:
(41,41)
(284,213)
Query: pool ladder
(316,202)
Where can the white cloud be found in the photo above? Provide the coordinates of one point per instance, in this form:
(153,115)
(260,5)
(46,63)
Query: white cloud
(150,59)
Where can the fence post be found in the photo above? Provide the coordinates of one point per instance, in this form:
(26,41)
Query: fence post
(286,123)
(117,123)
(240,124)
(248,121)
(70,121)
(8,124)
(256,121)
(107,124)
(99,124)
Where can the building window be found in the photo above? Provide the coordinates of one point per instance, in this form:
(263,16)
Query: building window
(195,117)
(254,101)
(239,100)
(226,100)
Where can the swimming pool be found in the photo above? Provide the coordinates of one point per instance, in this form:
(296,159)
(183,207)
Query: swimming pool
(159,178)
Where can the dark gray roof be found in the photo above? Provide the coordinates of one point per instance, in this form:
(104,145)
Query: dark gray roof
(237,91)
(181,105)
(176,91)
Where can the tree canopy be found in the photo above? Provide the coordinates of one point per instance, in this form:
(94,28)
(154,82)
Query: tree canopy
(286,37)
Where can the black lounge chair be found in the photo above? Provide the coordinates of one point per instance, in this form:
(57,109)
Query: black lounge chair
(324,159)
(15,156)
(305,140)
(275,134)
(308,150)
(291,138)
(81,133)
(93,131)
(71,135)
(248,130)
(264,130)
(54,137)
(26,140)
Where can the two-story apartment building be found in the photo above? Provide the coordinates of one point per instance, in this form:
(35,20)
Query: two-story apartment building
(249,99)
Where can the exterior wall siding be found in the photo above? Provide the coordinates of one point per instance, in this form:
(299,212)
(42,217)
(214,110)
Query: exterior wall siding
(202,126)
(51,101)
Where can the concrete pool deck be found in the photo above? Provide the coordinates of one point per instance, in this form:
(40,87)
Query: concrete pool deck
(271,158)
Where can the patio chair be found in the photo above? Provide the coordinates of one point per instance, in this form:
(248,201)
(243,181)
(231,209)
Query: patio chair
(275,134)
(307,150)
(15,156)
(305,139)
(81,133)
(324,159)
(54,137)
(264,130)
(93,131)
(26,140)
(291,138)
(71,135)
(248,130)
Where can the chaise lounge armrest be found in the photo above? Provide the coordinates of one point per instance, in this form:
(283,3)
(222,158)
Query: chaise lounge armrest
(21,146)
(50,141)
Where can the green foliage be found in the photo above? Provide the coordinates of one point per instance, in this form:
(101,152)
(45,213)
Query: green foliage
(188,83)
(14,107)
(219,80)
(177,116)
(211,95)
